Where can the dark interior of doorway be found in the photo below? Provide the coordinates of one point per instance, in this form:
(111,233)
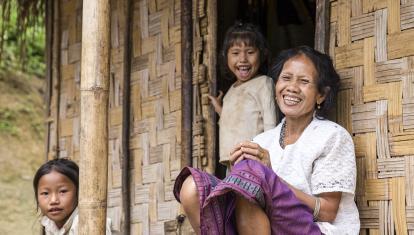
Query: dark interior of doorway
(284,23)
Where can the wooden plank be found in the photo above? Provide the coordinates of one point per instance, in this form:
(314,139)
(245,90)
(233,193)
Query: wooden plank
(334,12)
(344,22)
(137,173)
(380,35)
(151,173)
(139,214)
(401,143)
(392,92)
(136,102)
(408,113)
(346,78)
(369,217)
(363,117)
(344,105)
(356,8)
(154,24)
(167,210)
(409,184)
(407,15)
(400,44)
(391,167)
(369,62)
(143,13)
(66,126)
(74,52)
(115,116)
(394,24)
(362,26)
(391,70)
(398,204)
(386,224)
(164,27)
(373,5)
(142,194)
(350,55)
(381,130)
(358,85)
(377,189)
(321,26)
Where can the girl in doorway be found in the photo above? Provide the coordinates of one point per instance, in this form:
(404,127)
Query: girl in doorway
(56,187)
(250,100)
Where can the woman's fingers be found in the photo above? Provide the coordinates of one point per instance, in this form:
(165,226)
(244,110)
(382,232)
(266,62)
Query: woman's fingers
(249,150)
(235,153)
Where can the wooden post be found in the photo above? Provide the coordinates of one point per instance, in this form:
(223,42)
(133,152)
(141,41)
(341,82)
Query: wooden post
(94,117)
(186,77)
(49,56)
(53,148)
(322,26)
(212,73)
(126,113)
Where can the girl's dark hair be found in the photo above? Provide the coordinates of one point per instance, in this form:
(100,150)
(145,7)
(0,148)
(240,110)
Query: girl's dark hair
(327,76)
(62,165)
(250,35)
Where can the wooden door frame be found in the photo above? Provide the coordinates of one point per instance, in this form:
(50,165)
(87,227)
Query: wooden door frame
(321,44)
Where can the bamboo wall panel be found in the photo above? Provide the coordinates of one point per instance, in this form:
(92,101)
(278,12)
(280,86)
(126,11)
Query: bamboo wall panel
(156,92)
(372,47)
(155,107)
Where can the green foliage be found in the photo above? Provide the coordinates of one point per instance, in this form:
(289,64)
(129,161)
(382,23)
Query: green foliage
(22,47)
(7,121)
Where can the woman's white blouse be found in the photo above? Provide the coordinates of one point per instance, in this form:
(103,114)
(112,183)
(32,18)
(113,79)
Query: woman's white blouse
(321,160)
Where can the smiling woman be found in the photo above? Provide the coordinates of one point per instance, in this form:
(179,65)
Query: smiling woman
(297,178)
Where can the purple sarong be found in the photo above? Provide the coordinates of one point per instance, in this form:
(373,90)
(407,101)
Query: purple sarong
(258,184)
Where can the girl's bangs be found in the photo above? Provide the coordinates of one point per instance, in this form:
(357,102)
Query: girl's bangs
(245,38)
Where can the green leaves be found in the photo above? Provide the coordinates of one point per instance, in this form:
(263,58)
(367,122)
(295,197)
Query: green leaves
(22,36)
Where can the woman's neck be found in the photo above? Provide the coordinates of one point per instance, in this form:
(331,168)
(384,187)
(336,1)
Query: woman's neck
(294,128)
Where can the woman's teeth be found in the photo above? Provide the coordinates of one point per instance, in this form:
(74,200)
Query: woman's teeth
(291,100)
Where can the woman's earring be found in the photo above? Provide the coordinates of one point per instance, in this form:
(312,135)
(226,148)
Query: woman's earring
(318,106)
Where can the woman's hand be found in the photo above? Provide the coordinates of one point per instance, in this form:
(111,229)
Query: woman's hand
(249,150)
(216,102)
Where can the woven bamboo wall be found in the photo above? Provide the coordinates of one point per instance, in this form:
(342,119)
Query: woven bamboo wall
(155,104)
(155,123)
(156,113)
(372,44)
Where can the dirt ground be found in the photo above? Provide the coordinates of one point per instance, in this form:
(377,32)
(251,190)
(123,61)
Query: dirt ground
(22,143)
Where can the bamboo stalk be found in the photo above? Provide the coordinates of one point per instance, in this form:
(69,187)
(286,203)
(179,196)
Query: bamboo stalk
(94,117)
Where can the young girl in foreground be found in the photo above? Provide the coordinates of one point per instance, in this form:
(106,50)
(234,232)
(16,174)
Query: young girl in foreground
(250,100)
(56,186)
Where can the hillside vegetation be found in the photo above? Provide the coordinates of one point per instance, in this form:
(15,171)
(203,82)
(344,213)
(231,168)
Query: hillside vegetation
(22,141)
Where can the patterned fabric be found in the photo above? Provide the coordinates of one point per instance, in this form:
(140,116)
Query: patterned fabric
(256,183)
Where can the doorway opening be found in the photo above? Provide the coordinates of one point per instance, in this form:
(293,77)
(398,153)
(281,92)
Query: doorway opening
(285,24)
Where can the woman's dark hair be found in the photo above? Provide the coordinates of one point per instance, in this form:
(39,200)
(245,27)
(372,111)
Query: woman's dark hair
(327,76)
(62,165)
(250,35)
